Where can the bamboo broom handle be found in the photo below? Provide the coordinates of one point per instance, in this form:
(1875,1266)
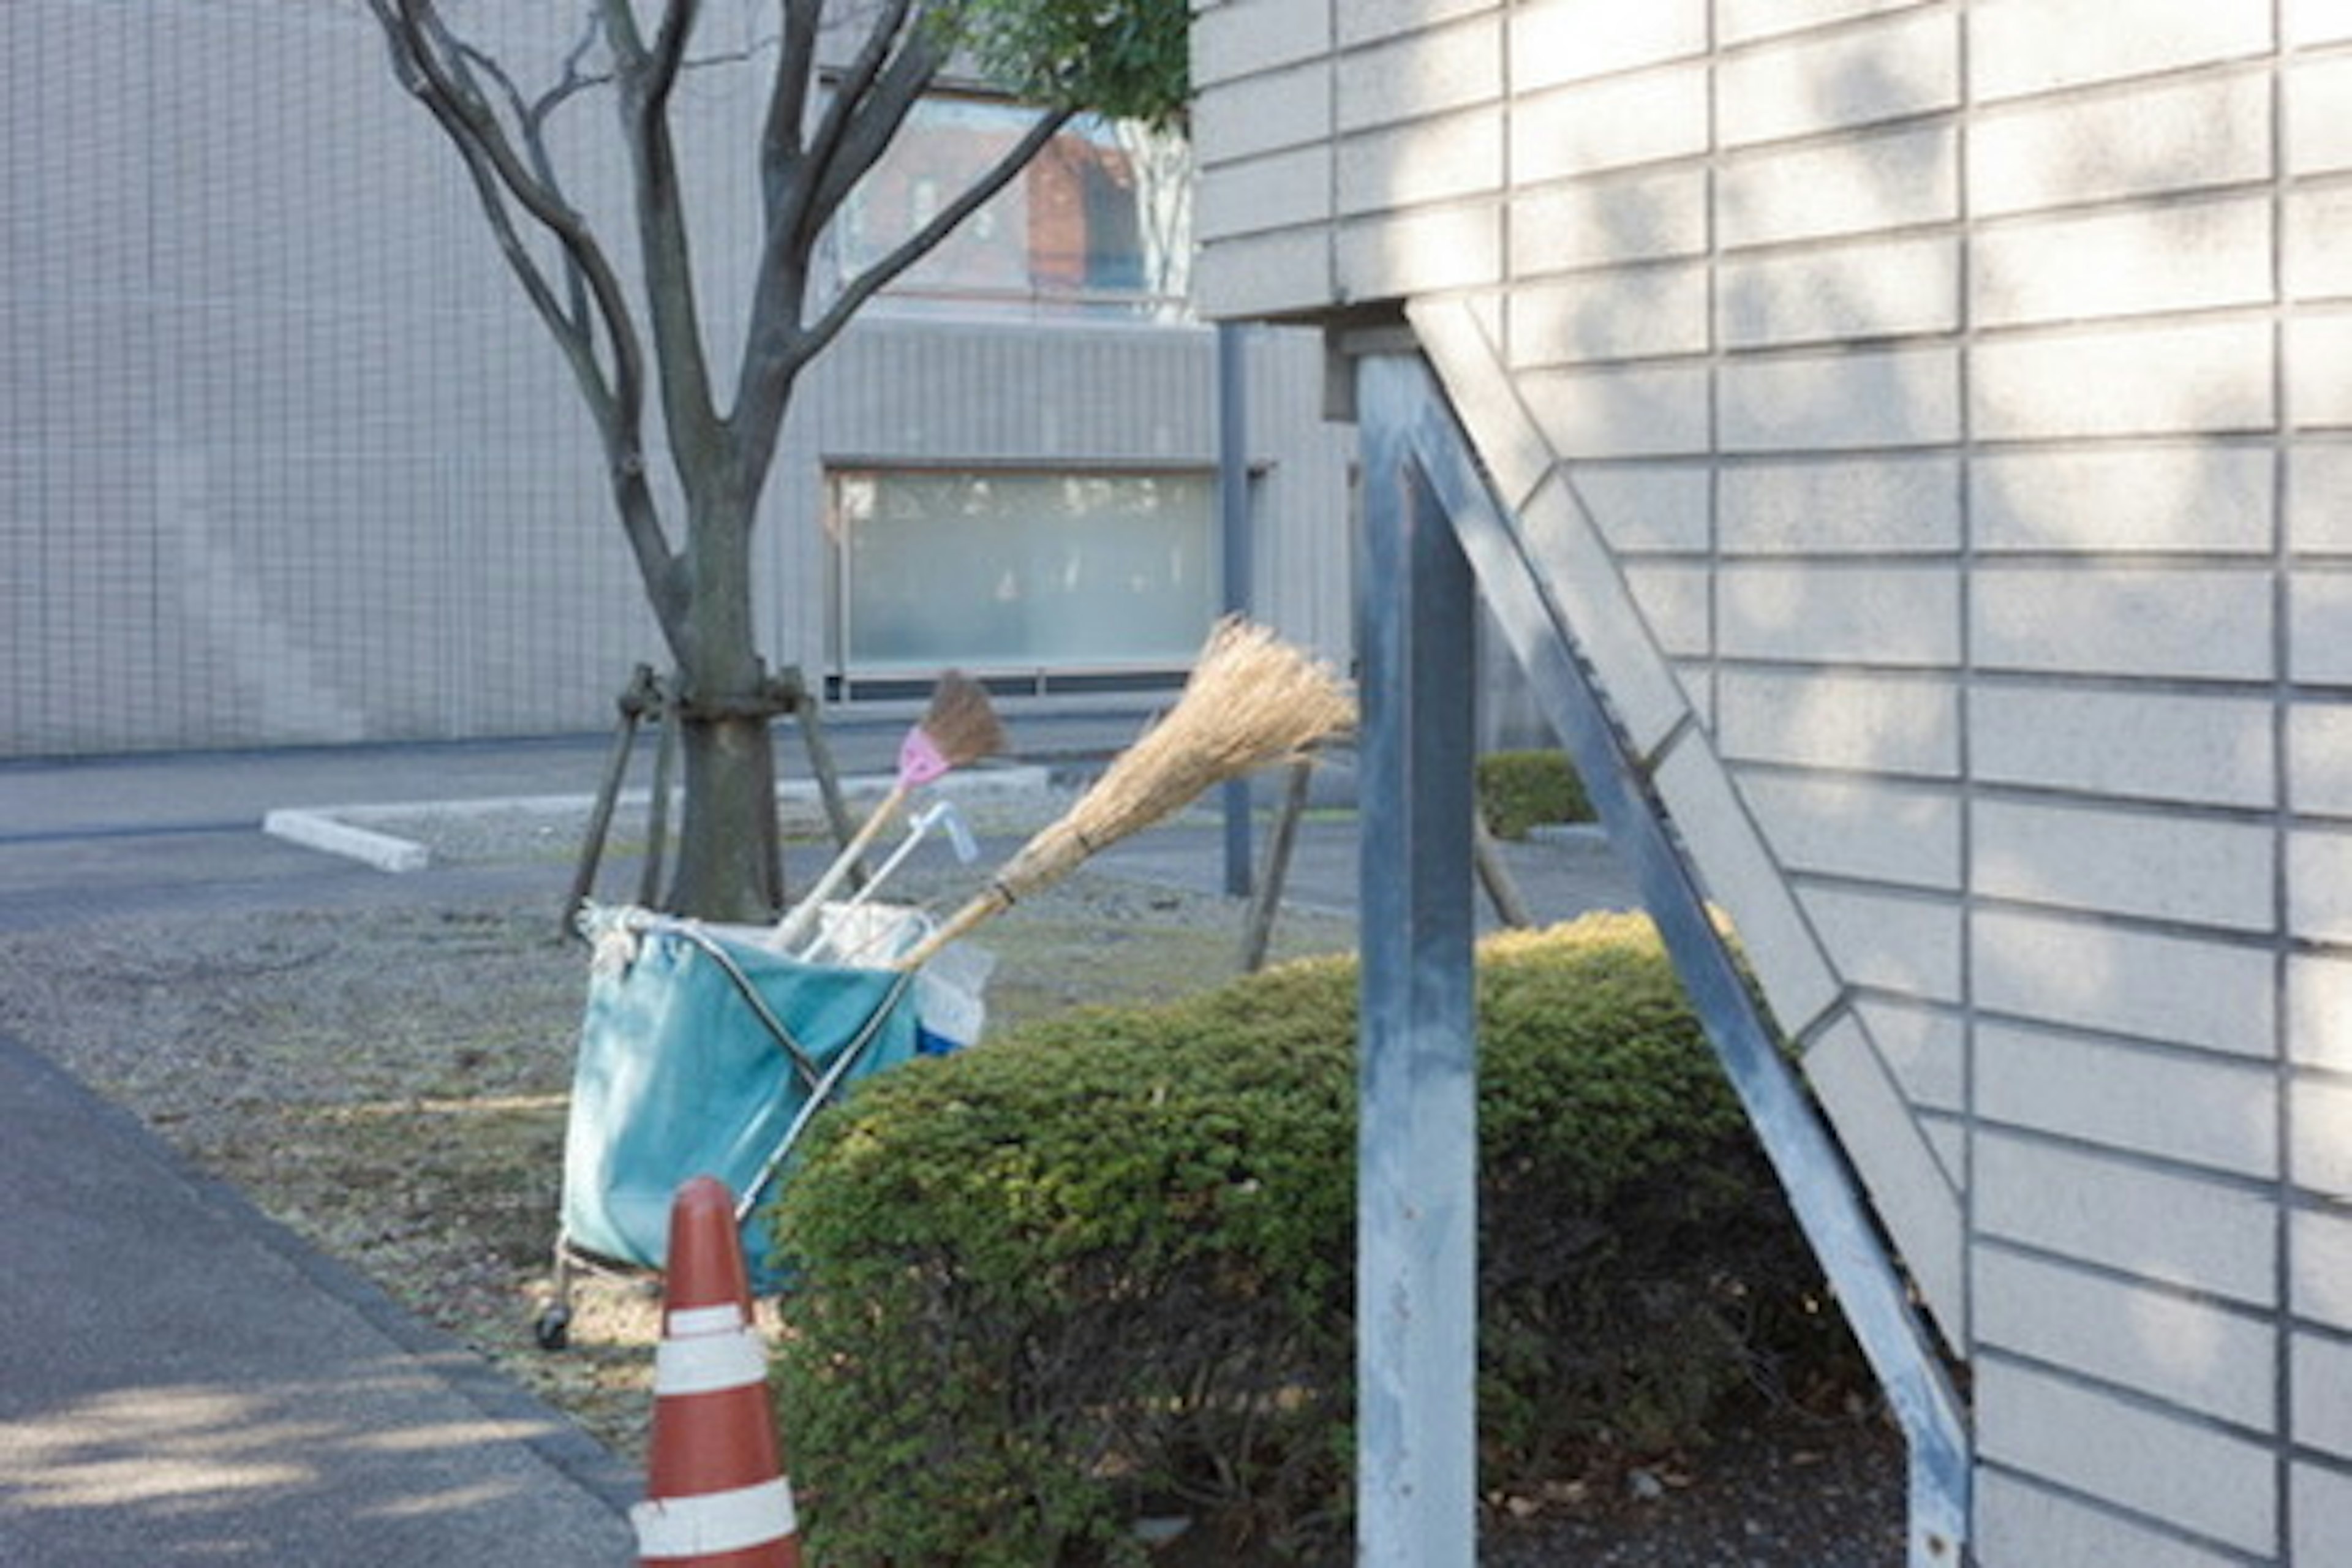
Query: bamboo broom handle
(981,907)
(794,929)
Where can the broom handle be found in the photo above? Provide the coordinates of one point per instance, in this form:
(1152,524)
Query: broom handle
(981,907)
(794,929)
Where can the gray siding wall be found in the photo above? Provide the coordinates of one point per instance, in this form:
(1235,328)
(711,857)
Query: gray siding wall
(283,457)
(1944,406)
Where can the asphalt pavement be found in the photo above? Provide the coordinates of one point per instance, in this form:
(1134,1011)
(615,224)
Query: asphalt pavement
(185,1381)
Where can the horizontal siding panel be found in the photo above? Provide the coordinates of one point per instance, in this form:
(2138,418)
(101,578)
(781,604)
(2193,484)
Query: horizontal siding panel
(1902,66)
(1901,724)
(1557,42)
(2151,864)
(2174,135)
(1614,123)
(2213,498)
(1826,506)
(2023,46)
(2145,621)
(1874,289)
(2196,1232)
(2209,1112)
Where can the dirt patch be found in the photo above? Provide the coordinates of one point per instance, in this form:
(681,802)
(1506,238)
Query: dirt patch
(391,1084)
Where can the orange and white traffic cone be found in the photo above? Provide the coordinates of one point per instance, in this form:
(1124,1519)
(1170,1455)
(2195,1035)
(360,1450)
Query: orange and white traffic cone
(716,1496)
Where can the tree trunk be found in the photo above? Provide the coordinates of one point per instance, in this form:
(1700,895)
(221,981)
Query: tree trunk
(727,836)
(726,866)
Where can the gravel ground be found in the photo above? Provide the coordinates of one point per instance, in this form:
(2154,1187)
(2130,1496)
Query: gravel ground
(391,1085)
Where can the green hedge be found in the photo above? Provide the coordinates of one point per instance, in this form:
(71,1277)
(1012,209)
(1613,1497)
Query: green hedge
(1104,1267)
(1520,790)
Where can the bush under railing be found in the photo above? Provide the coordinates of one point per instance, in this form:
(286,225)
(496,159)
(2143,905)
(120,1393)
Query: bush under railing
(1103,1267)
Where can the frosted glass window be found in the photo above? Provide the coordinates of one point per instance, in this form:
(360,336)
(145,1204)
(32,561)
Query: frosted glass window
(1022,571)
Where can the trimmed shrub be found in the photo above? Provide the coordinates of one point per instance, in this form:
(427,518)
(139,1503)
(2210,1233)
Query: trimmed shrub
(1520,790)
(1105,1267)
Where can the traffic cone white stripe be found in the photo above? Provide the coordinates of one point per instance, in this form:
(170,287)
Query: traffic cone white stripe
(715,1521)
(717,1495)
(710,1363)
(723,1319)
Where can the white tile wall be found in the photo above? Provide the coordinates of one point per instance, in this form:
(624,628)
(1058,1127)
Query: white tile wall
(2177,622)
(2122,980)
(1842,612)
(2319,883)
(1614,123)
(1902,66)
(2211,1111)
(2127,261)
(1429,72)
(1907,724)
(1829,506)
(2220,1485)
(2213,749)
(1861,289)
(2196,1353)
(1555,42)
(1884,181)
(2319,1155)
(2320,1252)
(1958,390)
(1648,215)
(2204,376)
(2319,1011)
(1888,940)
(2208,871)
(2323,1512)
(2150,140)
(2205,1234)
(1625,313)
(1870,830)
(1864,399)
(2318,140)
(1926,1051)
(2023,1522)
(2022,47)
(1905,1182)
(2208,499)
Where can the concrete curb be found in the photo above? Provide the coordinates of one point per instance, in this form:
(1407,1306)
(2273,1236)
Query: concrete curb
(357,832)
(329,831)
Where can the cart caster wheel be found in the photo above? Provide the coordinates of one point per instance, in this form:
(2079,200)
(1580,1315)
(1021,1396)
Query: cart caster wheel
(552,1327)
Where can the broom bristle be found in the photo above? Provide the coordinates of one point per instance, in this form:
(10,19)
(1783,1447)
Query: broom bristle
(1250,700)
(961,721)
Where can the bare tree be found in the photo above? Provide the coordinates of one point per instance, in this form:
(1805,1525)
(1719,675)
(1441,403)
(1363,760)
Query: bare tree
(842,79)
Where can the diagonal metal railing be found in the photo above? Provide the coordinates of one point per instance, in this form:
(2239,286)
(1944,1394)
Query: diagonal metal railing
(1418,461)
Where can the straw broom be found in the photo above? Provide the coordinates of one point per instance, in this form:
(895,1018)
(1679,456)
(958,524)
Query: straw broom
(959,727)
(1250,700)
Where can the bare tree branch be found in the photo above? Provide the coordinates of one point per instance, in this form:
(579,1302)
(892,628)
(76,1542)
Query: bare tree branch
(848,99)
(879,114)
(781,149)
(919,244)
(425,60)
(646,77)
(772,361)
(532,117)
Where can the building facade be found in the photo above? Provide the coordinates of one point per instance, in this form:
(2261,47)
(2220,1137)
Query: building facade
(1932,417)
(286,459)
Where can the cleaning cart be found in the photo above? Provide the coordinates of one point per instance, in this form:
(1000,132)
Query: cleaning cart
(705,1051)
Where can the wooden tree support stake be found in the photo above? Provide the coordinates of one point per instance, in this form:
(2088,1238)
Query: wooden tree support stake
(647,697)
